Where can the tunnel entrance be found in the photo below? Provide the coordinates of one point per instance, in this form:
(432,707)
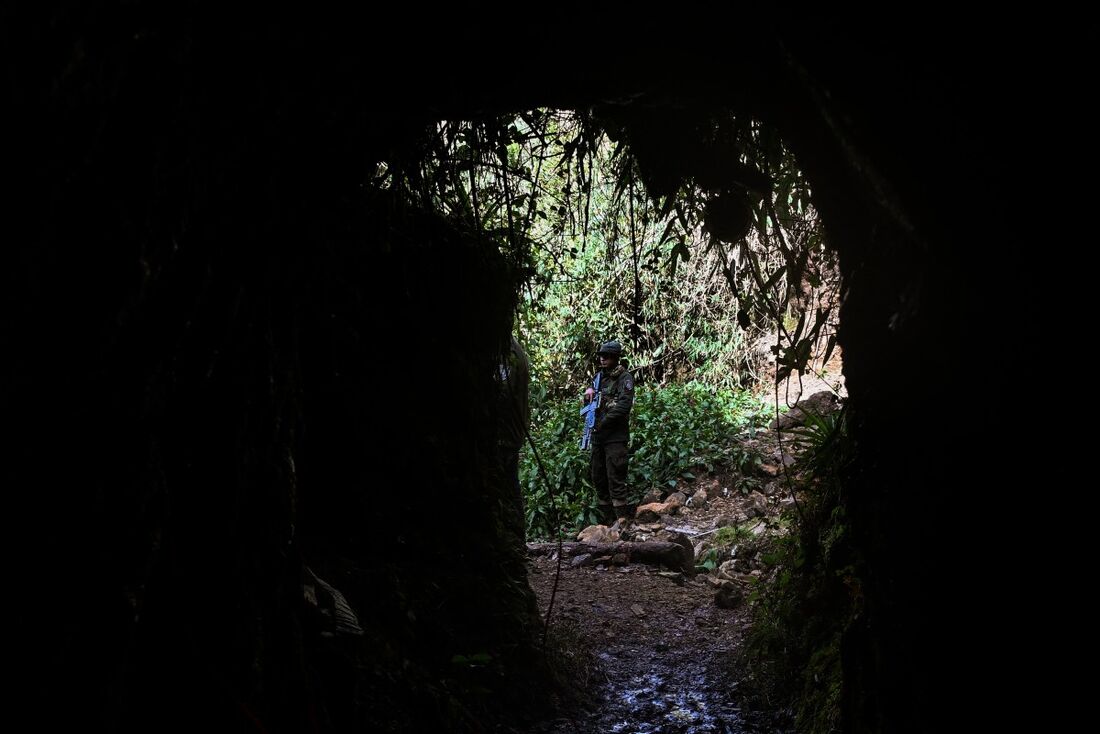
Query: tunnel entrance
(250,359)
(702,285)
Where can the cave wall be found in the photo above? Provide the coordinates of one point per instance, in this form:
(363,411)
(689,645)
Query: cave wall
(910,154)
(230,364)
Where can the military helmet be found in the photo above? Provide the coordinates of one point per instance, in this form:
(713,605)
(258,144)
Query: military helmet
(611,349)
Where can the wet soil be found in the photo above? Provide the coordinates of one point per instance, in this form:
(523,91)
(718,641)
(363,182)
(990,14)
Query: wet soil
(663,649)
(663,654)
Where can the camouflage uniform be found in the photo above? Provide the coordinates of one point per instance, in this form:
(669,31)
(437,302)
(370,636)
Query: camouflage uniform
(609,442)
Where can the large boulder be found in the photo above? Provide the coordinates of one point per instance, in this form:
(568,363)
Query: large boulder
(820,403)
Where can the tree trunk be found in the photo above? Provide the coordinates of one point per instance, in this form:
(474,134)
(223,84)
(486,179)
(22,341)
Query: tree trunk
(653,552)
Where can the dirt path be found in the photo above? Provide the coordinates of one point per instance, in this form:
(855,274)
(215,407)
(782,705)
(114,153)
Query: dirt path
(663,652)
(663,649)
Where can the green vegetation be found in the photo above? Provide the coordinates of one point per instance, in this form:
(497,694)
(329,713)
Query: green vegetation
(731,535)
(794,646)
(721,545)
(698,275)
(675,429)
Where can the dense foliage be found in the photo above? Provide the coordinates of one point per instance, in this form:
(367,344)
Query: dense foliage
(675,430)
(699,275)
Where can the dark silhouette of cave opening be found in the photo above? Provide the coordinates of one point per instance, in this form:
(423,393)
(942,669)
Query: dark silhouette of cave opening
(206,324)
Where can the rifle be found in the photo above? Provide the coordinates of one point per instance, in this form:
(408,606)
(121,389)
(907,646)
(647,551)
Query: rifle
(589,413)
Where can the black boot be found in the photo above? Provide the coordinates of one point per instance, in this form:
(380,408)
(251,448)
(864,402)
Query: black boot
(624,516)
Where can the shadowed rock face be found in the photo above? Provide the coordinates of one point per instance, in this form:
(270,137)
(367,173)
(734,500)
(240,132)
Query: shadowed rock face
(207,335)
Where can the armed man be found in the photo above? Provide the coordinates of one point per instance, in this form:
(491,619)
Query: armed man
(612,393)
